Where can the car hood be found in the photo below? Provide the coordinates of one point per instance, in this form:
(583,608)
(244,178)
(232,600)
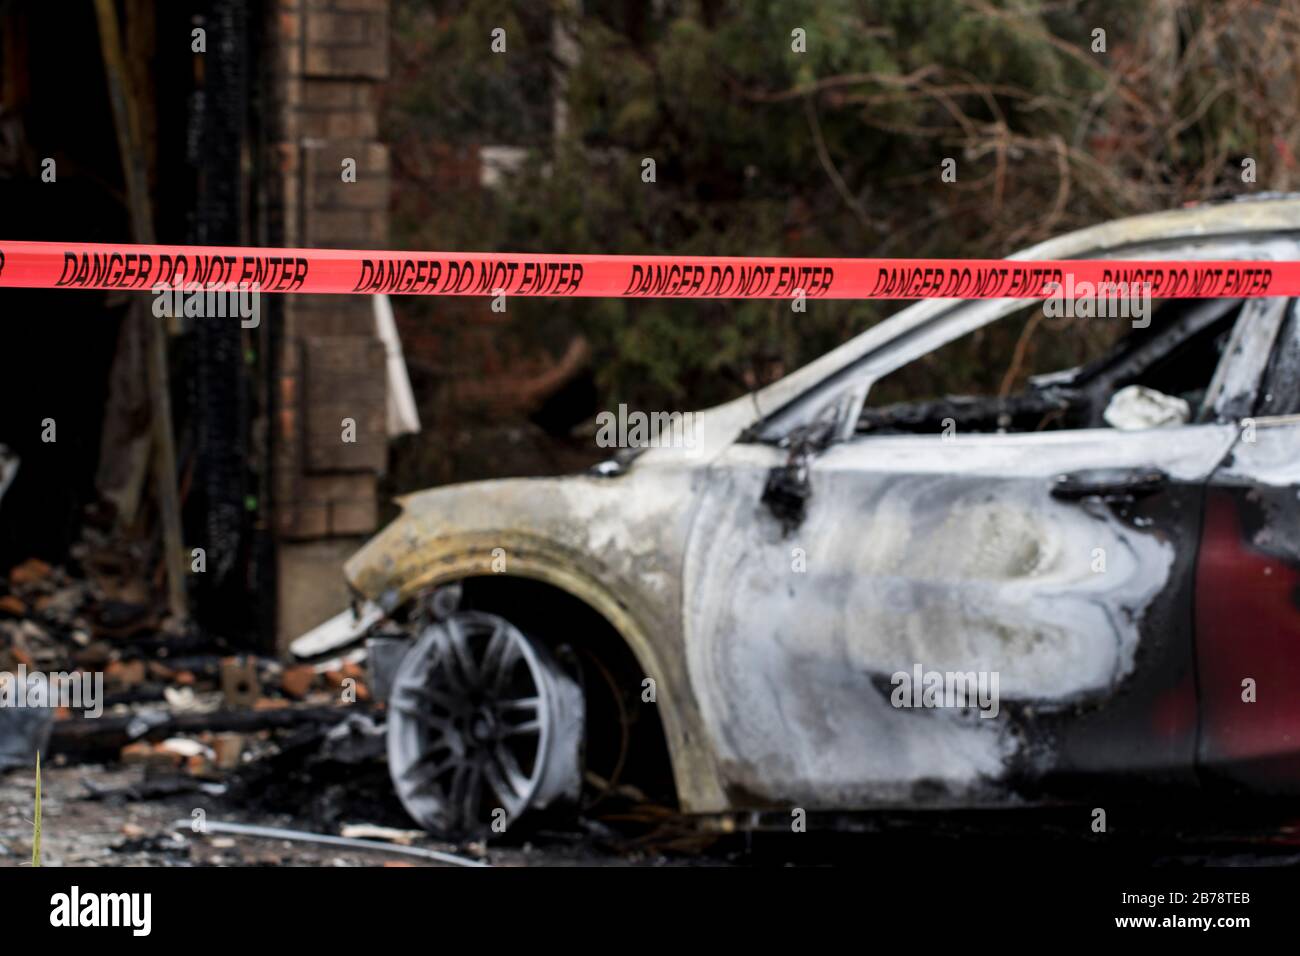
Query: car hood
(629,529)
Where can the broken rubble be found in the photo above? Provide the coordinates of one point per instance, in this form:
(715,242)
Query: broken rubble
(297,681)
(240,682)
(23,730)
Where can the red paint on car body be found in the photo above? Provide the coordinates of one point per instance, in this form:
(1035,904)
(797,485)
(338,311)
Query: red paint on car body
(1247,627)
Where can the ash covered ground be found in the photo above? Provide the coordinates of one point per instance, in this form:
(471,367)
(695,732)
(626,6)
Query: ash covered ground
(105,816)
(193,737)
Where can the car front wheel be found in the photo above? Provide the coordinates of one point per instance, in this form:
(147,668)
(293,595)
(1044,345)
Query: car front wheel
(484,724)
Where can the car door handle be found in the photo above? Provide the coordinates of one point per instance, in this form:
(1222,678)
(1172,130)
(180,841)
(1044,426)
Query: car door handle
(1108,483)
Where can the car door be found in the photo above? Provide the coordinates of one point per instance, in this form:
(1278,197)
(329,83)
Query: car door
(1053,568)
(1248,586)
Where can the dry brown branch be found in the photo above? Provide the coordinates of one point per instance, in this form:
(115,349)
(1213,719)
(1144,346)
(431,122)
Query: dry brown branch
(832,172)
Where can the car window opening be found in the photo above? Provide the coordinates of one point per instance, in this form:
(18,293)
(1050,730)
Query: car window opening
(1176,355)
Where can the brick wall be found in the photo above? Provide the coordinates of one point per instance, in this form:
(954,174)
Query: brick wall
(330,57)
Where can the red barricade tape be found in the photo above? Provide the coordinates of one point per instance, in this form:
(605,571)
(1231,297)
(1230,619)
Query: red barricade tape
(53,265)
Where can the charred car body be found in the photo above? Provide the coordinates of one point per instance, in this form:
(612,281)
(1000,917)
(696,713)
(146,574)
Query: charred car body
(753,598)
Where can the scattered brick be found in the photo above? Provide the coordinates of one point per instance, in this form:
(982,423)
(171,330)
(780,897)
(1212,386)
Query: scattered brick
(297,681)
(29,572)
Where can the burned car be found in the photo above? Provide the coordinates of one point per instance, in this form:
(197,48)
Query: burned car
(732,622)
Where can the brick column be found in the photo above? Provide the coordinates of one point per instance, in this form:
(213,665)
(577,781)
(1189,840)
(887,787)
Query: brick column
(331,55)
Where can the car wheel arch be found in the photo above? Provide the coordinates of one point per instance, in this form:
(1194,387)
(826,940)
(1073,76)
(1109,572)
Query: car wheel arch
(695,777)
